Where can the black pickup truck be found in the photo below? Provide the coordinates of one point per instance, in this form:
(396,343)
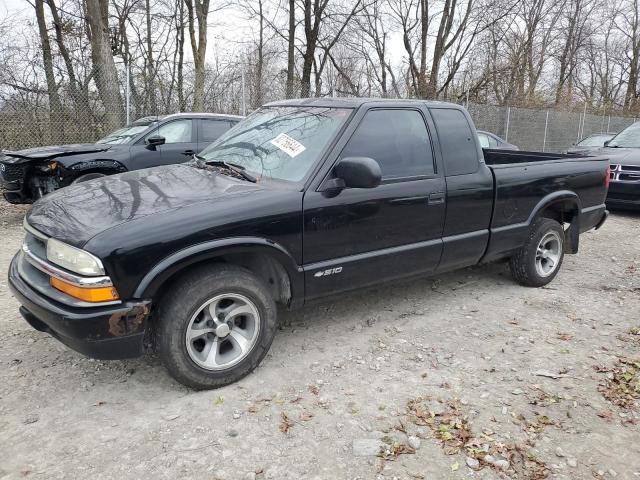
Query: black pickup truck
(303,199)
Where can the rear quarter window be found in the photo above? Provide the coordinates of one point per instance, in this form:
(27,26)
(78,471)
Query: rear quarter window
(459,150)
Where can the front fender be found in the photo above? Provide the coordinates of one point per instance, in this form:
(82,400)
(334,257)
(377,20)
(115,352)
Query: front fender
(194,254)
(92,165)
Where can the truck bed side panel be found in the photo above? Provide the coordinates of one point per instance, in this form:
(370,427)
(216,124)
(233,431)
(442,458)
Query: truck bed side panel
(523,189)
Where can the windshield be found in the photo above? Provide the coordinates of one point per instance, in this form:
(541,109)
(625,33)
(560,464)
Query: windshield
(594,141)
(124,134)
(629,137)
(278,142)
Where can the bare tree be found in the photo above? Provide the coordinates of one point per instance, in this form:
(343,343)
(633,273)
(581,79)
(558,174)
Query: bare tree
(104,67)
(56,120)
(198,46)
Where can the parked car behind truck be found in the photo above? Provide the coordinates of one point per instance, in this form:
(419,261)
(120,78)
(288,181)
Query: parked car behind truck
(623,151)
(27,175)
(303,199)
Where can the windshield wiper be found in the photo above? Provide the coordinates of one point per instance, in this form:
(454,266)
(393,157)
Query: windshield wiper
(237,169)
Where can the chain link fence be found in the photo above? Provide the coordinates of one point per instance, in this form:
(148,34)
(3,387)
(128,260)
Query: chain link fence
(543,130)
(33,124)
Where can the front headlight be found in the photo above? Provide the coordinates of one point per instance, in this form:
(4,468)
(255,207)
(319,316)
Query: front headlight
(73,258)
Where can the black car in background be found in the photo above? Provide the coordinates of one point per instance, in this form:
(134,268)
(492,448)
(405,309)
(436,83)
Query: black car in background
(491,140)
(27,175)
(623,152)
(591,143)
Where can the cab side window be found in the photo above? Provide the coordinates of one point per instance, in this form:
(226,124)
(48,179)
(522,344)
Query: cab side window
(484,140)
(456,141)
(397,139)
(178,131)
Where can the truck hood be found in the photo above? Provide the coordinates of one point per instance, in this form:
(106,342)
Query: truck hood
(77,213)
(623,156)
(50,152)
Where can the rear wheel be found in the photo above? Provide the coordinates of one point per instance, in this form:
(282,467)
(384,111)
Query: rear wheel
(215,326)
(537,262)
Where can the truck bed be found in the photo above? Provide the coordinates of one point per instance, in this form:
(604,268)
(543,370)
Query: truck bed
(523,181)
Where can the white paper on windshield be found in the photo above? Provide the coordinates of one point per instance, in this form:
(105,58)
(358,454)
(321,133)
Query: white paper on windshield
(288,145)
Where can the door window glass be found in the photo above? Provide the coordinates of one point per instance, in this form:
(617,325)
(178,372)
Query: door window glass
(397,139)
(212,129)
(484,140)
(178,131)
(456,141)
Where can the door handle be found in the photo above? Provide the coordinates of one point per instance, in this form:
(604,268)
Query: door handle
(189,152)
(436,198)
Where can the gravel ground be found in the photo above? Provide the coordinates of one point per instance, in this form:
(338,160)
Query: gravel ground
(466,375)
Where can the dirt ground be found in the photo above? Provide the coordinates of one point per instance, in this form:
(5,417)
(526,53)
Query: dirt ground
(466,375)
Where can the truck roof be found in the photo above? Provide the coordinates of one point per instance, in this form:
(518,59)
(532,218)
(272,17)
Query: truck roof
(355,102)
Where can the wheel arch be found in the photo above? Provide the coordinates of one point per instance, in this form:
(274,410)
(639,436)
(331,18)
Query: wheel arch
(565,208)
(268,260)
(104,166)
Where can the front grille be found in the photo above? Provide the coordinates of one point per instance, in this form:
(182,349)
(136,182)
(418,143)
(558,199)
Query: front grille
(625,173)
(12,172)
(629,177)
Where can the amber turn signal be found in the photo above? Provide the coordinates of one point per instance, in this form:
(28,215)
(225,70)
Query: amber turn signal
(90,294)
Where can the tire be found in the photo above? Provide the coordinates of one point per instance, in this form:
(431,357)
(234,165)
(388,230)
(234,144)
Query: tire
(216,358)
(529,265)
(88,176)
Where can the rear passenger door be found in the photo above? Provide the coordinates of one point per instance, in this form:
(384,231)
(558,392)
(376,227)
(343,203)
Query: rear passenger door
(364,236)
(210,130)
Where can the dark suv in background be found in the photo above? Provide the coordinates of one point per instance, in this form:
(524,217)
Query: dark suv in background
(623,152)
(27,175)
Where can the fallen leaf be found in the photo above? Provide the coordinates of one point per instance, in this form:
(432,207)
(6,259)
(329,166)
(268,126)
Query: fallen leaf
(285,423)
(306,416)
(455,467)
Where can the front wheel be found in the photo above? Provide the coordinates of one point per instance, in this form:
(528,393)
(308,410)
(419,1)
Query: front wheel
(215,326)
(537,262)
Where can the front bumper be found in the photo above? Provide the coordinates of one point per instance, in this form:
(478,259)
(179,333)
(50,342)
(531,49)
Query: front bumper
(624,194)
(107,333)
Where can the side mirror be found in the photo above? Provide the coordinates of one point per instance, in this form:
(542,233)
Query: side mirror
(606,143)
(358,172)
(153,142)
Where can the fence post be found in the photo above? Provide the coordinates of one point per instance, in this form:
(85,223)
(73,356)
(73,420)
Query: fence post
(506,133)
(544,139)
(244,106)
(609,124)
(127,91)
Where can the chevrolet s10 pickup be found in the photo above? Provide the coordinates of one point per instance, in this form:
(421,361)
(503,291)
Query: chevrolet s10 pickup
(301,200)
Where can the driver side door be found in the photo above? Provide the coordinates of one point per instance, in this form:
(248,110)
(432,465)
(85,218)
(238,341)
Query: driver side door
(363,236)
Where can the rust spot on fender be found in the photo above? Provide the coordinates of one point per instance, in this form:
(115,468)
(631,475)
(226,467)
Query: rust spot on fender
(129,321)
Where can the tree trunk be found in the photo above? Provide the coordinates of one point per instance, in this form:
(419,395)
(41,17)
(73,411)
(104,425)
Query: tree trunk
(151,90)
(78,94)
(56,119)
(291,61)
(104,68)
(198,48)
(181,101)
(260,60)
